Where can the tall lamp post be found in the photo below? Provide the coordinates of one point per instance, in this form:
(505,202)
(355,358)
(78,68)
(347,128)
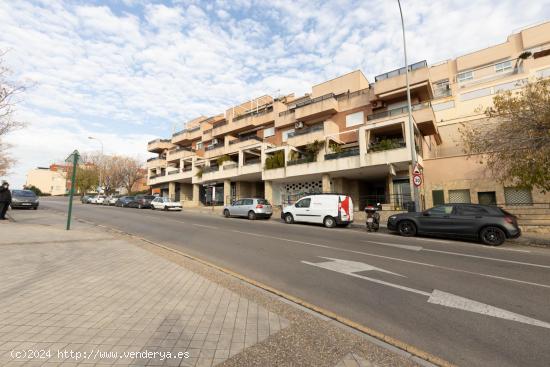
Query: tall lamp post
(100,168)
(415,196)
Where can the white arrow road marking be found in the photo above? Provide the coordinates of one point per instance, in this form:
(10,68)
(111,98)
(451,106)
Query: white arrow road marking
(435,297)
(450,300)
(348,267)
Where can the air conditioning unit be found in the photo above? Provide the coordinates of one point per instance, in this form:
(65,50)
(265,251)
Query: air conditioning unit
(298,125)
(214,141)
(377,104)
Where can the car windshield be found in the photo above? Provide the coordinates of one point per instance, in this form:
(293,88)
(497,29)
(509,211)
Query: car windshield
(263,202)
(25,193)
(129,198)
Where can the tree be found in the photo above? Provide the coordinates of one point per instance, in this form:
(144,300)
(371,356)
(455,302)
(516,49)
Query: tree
(132,171)
(87,178)
(514,140)
(34,189)
(8,92)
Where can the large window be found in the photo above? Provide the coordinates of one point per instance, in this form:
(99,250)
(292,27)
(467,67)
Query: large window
(503,66)
(437,197)
(354,119)
(286,133)
(270,131)
(465,76)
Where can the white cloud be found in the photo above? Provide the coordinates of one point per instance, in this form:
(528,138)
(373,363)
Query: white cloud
(130,72)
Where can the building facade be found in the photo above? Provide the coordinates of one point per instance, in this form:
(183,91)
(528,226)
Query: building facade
(50,180)
(349,135)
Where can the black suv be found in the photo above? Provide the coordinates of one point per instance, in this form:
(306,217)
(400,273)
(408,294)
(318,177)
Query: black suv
(141,202)
(490,224)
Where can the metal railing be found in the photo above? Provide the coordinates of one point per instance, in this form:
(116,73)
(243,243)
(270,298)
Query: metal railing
(212,147)
(189,130)
(401,71)
(398,111)
(158,140)
(155,158)
(219,124)
(397,201)
(342,154)
(210,169)
(174,172)
(346,95)
(245,138)
(306,103)
(263,111)
(300,161)
(248,162)
(179,149)
(306,130)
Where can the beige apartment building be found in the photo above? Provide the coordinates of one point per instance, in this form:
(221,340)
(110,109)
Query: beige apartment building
(50,180)
(350,135)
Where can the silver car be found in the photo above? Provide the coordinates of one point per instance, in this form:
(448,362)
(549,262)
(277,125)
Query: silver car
(251,208)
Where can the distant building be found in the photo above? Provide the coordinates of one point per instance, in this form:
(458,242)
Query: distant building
(50,180)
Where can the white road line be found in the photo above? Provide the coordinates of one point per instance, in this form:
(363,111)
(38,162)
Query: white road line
(406,247)
(397,259)
(205,226)
(489,258)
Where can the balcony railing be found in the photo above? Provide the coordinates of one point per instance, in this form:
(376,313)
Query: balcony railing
(400,71)
(342,154)
(219,124)
(230,166)
(173,172)
(252,161)
(306,103)
(212,147)
(386,144)
(210,169)
(179,149)
(397,111)
(306,130)
(159,141)
(154,159)
(187,169)
(254,113)
(245,138)
(190,130)
(300,161)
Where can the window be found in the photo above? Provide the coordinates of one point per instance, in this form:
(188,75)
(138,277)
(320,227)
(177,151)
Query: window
(270,131)
(248,202)
(304,203)
(238,202)
(442,88)
(469,210)
(199,145)
(437,197)
(517,196)
(459,196)
(441,210)
(465,76)
(354,119)
(487,198)
(503,66)
(286,133)
(263,202)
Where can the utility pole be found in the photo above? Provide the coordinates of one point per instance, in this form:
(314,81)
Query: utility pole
(415,192)
(75,158)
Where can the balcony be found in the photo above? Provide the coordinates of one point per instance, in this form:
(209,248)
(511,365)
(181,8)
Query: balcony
(187,135)
(422,113)
(321,106)
(343,154)
(178,153)
(306,135)
(156,162)
(158,145)
(393,83)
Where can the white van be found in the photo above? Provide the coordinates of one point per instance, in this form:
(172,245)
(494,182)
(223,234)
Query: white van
(327,209)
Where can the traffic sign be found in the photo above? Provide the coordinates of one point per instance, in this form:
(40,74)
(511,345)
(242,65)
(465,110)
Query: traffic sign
(416,169)
(417,180)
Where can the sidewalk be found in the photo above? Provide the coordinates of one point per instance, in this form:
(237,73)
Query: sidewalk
(89,295)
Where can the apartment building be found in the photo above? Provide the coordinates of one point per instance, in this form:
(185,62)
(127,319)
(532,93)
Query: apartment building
(350,135)
(50,180)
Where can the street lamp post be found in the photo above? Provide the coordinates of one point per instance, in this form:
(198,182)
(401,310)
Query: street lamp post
(100,168)
(415,193)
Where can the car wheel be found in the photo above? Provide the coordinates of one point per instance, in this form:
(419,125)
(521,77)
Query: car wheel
(492,236)
(152,207)
(35,208)
(226,213)
(406,228)
(251,215)
(165,208)
(289,219)
(329,222)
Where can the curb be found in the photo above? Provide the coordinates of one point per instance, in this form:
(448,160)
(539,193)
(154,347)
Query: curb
(414,351)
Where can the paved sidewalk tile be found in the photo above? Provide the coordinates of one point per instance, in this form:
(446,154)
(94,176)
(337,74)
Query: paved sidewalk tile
(98,297)
(354,360)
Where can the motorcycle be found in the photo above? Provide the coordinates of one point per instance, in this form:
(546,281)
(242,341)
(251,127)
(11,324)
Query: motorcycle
(373,218)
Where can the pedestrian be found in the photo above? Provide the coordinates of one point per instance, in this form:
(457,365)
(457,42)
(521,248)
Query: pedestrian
(5,199)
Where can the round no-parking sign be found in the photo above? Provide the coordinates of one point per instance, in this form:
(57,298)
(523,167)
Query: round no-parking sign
(417,180)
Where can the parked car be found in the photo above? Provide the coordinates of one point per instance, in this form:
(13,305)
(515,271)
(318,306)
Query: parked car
(106,201)
(486,223)
(251,208)
(123,201)
(165,203)
(99,199)
(141,201)
(84,199)
(112,200)
(24,199)
(327,209)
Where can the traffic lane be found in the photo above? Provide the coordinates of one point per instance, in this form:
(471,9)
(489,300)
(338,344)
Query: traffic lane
(330,291)
(495,266)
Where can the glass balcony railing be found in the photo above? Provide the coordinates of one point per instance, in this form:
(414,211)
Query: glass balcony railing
(245,138)
(401,71)
(397,111)
(306,130)
(342,154)
(386,144)
(294,162)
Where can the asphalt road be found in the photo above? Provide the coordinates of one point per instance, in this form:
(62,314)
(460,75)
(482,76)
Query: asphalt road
(469,304)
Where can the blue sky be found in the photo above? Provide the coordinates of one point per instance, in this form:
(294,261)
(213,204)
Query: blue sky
(128,71)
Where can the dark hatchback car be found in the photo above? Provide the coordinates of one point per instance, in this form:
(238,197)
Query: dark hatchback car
(24,199)
(123,201)
(486,223)
(141,202)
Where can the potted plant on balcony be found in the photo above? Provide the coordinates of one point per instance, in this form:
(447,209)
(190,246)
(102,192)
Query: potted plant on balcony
(222,159)
(200,171)
(277,160)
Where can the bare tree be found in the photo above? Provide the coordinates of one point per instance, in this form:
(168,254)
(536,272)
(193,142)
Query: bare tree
(132,172)
(8,92)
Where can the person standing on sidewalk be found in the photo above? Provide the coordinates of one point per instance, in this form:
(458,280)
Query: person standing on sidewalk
(5,199)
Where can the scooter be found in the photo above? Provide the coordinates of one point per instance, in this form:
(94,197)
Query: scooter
(373,218)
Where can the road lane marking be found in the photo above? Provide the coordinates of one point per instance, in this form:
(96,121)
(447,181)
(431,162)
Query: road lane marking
(406,247)
(489,258)
(347,267)
(205,226)
(435,297)
(397,259)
